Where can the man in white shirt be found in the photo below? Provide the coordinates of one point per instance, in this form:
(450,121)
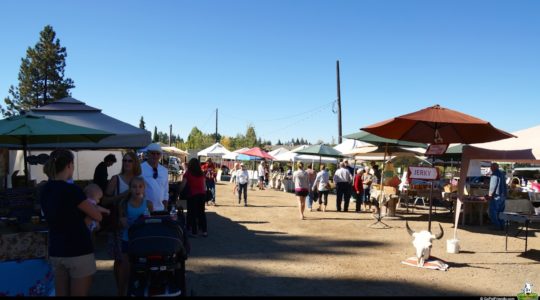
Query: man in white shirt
(343,180)
(156,178)
(260,171)
(242,179)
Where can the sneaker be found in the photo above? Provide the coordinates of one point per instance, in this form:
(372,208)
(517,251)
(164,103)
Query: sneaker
(245,204)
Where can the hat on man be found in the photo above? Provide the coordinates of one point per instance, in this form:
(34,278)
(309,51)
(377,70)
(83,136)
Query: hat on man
(154,147)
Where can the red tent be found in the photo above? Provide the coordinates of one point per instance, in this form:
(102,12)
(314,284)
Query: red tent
(256,151)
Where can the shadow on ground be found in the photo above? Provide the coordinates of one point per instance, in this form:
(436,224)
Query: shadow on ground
(231,240)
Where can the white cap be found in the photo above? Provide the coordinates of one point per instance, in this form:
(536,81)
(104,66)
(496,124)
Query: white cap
(154,147)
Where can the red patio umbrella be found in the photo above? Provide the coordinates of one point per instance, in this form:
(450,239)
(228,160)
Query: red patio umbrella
(438,125)
(257,152)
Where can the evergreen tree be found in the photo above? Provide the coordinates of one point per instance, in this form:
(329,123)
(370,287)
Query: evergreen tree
(279,142)
(142,123)
(297,141)
(156,136)
(41,76)
(251,137)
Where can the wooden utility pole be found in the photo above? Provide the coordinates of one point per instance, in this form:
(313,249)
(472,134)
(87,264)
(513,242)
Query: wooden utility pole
(217,140)
(170,135)
(338,104)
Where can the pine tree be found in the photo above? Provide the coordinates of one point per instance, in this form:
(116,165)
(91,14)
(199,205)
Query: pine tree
(41,76)
(279,142)
(156,136)
(142,123)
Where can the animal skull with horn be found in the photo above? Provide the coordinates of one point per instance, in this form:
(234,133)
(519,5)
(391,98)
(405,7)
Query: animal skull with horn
(422,242)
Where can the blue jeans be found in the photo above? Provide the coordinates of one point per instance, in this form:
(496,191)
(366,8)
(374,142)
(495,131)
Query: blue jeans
(496,206)
(310,198)
(211,185)
(365,195)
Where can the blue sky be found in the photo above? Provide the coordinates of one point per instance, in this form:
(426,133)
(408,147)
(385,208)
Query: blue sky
(272,63)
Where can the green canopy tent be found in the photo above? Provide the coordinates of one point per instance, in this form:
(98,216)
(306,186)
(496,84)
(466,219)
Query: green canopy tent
(389,145)
(20,131)
(320,151)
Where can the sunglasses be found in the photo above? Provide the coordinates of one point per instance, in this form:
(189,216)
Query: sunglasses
(155,175)
(127,160)
(155,153)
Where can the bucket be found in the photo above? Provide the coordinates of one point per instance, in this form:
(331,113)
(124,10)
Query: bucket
(452,246)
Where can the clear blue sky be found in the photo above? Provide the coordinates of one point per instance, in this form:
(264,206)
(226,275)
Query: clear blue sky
(272,63)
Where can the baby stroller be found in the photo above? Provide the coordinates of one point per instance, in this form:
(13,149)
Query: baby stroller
(157,253)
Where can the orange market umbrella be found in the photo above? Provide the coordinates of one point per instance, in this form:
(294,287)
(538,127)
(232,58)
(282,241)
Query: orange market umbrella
(438,125)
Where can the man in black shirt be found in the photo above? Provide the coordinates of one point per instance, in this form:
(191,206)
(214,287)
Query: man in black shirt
(101,177)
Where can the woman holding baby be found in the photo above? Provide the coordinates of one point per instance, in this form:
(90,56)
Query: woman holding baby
(65,207)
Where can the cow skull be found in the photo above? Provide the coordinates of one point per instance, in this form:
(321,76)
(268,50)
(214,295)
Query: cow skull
(422,242)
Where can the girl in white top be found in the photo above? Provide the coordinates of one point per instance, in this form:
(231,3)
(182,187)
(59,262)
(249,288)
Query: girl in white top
(301,187)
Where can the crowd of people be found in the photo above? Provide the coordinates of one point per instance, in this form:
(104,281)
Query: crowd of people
(111,206)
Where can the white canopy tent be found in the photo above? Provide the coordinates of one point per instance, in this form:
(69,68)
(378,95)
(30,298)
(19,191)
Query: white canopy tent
(526,139)
(350,145)
(233,155)
(216,150)
(291,156)
(278,151)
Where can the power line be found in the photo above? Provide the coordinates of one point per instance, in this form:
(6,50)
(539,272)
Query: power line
(286,117)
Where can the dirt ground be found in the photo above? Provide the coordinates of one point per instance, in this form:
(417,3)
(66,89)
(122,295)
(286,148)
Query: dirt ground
(266,250)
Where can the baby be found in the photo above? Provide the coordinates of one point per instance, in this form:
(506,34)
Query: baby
(94,193)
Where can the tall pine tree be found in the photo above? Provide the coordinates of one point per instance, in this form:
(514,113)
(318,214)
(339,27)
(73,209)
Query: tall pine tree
(142,123)
(41,76)
(156,136)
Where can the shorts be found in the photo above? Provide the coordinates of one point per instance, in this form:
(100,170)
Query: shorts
(261,178)
(74,267)
(301,192)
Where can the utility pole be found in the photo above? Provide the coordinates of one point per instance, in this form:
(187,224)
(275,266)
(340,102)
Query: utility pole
(170,135)
(217,140)
(338,103)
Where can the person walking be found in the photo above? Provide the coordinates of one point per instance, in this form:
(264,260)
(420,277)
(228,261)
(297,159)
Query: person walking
(312,195)
(195,181)
(65,206)
(322,186)
(156,178)
(261,172)
(496,196)
(301,187)
(209,170)
(358,188)
(242,179)
(343,179)
(367,179)
(116,191)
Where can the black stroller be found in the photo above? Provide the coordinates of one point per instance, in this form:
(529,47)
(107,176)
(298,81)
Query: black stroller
(157,252)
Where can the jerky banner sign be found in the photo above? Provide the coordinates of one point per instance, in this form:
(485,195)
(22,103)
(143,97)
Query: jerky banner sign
(424,173)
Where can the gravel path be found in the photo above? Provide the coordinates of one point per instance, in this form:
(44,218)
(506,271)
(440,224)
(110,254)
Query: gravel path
(265,250)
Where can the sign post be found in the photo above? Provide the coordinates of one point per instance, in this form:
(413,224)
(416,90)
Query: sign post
(428,174)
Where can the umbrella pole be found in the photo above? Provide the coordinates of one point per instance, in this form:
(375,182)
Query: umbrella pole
(379,208)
